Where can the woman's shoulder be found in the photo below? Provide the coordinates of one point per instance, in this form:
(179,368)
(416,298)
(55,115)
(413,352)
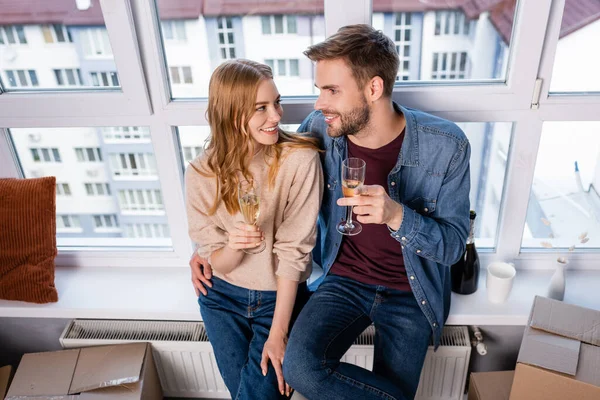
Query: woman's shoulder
(296,156)
(198,169)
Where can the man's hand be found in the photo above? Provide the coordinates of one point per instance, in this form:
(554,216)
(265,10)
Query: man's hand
(201,274)
(374,206)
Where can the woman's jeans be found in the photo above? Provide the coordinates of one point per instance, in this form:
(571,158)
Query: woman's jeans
(333,318)
(237,321)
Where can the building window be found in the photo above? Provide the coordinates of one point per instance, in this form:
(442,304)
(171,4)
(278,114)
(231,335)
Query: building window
(95,42)
(174,30)
(68,77)
(147,231)
(133,164)
(63,189)
(107,79)
(22,77)
(402,38)
(66,222)
(105,221)
(125,133)
(284,67)
(141,200)
(451,23)
(450,66)
(191,152)
(88,154)
(226,41)
(181,75)
(45,154)
(12,34)
(56,33)
(279,24)
(97,189)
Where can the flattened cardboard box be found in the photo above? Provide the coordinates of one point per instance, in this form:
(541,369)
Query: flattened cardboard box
(490,385)
(124,372)
(559,356)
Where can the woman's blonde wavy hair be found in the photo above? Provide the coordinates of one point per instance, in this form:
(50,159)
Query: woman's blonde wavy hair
(231,103)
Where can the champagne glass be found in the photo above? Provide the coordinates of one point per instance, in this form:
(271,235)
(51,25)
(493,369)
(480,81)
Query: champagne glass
(353,176)
(249,199)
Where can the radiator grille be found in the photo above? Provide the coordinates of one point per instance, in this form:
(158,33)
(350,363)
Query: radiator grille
(168,331)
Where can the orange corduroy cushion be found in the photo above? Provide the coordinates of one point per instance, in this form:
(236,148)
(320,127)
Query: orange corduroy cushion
(28,239)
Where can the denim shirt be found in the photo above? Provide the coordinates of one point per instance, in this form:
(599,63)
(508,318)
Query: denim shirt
(431,181)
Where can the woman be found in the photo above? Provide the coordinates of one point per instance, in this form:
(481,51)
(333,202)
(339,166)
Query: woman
(248,310)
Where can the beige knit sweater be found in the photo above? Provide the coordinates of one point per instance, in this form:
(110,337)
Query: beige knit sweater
(288,218)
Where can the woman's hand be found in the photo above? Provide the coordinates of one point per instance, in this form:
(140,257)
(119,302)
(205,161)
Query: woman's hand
(274,350)
(245,236)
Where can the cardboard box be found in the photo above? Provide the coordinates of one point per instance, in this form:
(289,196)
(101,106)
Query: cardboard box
(124,372)
(490,385)
(5,375)
(559,356)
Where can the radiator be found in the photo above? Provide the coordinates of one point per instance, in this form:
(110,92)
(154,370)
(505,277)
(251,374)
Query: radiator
(187,368)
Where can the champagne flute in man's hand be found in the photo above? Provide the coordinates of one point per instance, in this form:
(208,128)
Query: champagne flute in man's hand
(353,176)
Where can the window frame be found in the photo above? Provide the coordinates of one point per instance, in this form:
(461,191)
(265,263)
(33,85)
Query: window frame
(508,100)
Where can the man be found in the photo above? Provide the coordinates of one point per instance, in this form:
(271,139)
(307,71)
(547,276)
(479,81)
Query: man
(414,209)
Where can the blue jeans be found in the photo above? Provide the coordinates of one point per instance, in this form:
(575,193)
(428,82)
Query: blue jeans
(237,321)
(335,315)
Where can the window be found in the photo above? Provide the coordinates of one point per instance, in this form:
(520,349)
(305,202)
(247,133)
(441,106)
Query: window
(45,154)
(278,24)
(68,77)
(226,41)
(95,42)
(284,67)
(68,223)
(105,221)
(576,63)
(181,75)
(450,66)
(63,189)
(563,206)
(140,200)
(190,153)
(88,154)
(402,38)
(133,164)
(114,134)
(97,189)
(174,30)
(107,79)
(451,23)
(12,34)
(21,78)
(56,33)
(82,162)
(147,230)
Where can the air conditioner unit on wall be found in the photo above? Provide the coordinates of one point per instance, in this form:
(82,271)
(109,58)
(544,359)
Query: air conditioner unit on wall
(187,367)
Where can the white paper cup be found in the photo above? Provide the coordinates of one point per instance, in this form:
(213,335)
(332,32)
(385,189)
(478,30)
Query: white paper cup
(500,277)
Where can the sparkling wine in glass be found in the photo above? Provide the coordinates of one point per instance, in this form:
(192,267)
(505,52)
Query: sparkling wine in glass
(353,176)
(249,199)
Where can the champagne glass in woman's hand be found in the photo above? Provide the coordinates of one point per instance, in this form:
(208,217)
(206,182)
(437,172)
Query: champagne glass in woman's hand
(353,176)
(249,199)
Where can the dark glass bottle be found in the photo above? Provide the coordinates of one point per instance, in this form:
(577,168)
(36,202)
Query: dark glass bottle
(465,273)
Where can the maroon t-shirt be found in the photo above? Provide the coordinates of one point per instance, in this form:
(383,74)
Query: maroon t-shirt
(373,256)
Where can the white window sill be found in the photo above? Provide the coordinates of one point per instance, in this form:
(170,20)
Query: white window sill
(167,294)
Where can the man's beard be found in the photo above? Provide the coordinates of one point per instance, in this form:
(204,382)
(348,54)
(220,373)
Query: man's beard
(352,122)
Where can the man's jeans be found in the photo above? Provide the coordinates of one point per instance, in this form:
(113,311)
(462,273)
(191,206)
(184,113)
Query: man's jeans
(335,315)
(237,322)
